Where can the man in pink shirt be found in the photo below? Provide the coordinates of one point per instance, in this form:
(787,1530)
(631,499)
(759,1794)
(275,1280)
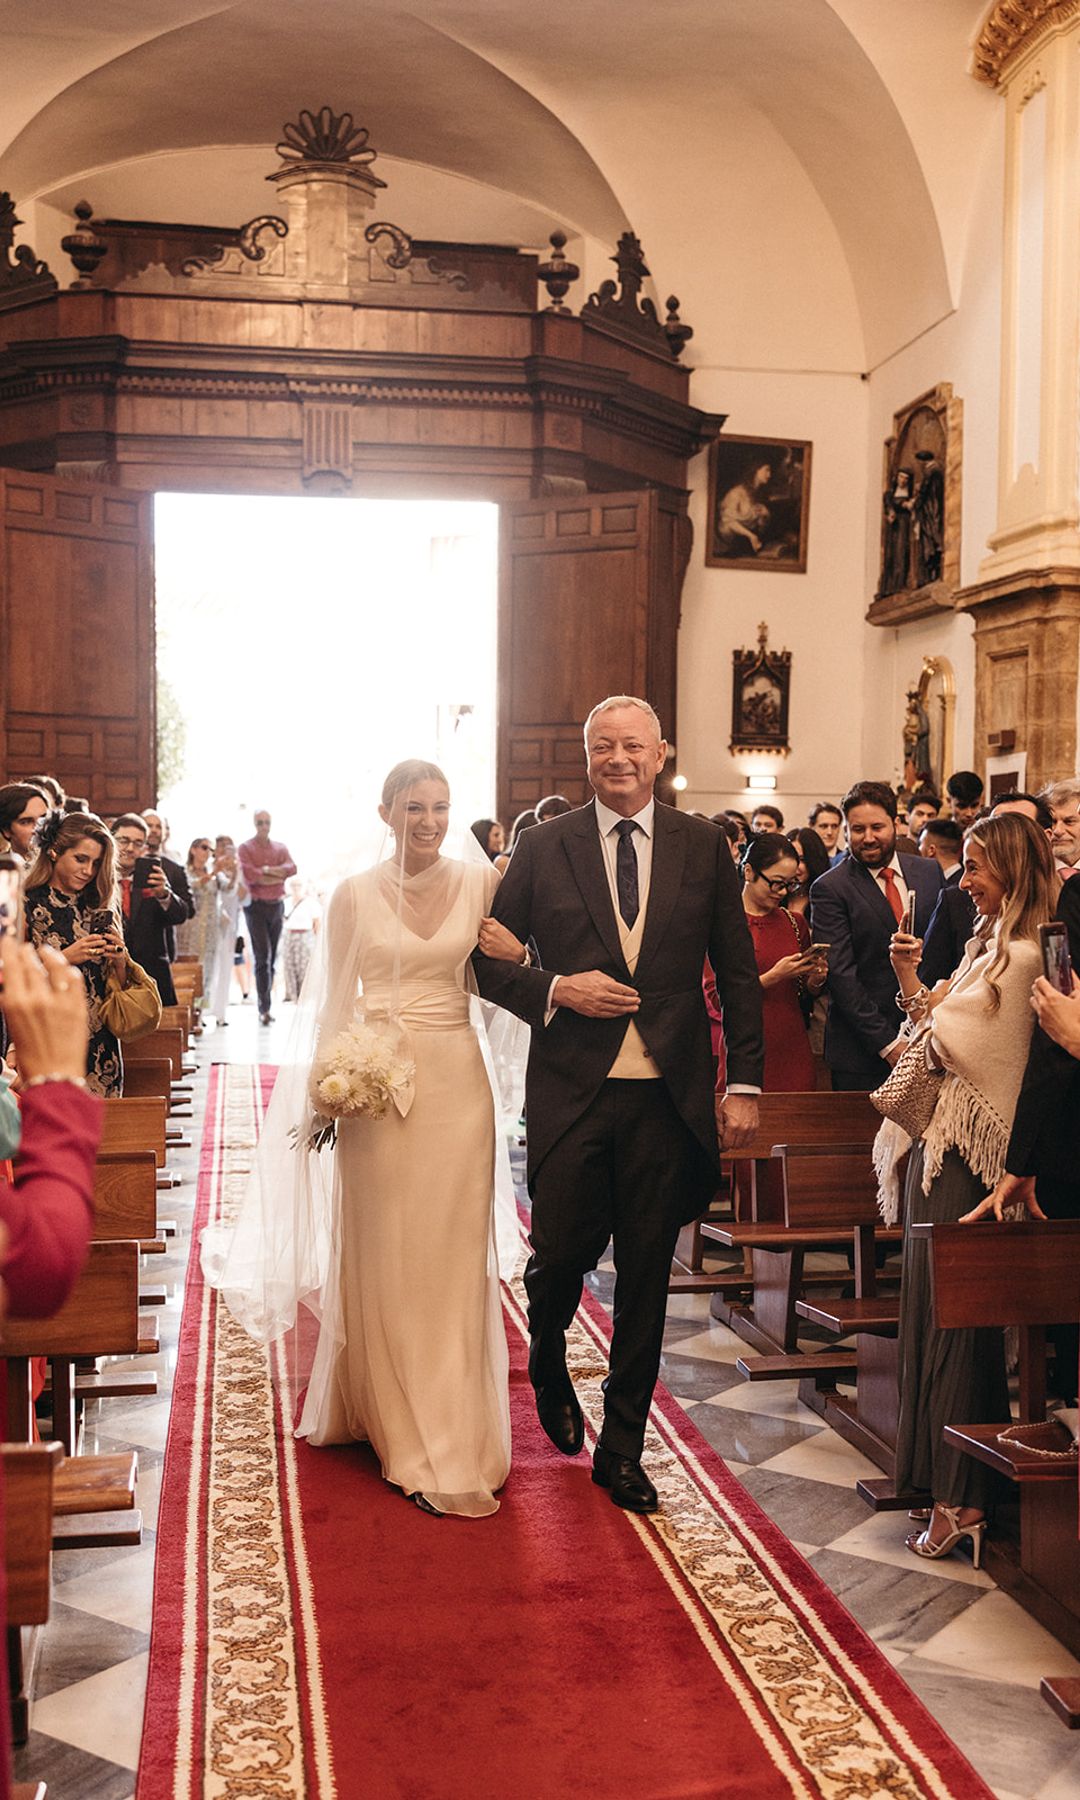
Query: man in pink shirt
(266,867)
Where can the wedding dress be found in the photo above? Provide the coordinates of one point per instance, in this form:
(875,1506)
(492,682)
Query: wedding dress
(391,1235)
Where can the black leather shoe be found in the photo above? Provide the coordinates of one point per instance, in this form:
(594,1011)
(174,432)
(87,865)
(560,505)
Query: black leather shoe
(560,1415)
(629,1485)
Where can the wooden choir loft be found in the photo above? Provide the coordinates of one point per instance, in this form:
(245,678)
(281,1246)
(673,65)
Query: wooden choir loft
(327,352)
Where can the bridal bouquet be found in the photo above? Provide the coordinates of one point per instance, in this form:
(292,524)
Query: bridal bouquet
(364,1070)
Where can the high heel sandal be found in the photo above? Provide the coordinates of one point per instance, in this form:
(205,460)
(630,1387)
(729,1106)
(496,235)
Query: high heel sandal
(921,1543)
(424,1504)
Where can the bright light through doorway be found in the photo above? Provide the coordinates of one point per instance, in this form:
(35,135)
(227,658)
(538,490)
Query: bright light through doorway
(306,645)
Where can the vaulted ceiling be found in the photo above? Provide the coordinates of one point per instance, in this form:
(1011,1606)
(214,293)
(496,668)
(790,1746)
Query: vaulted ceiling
(588,109)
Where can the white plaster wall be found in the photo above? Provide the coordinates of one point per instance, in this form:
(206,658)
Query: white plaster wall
(964,349)
(817,616)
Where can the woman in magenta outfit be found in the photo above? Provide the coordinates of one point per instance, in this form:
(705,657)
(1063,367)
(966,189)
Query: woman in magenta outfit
(46,1213)
(785,967)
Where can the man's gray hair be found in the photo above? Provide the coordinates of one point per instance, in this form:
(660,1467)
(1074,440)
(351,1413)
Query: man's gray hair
(617,700)
(1060,793)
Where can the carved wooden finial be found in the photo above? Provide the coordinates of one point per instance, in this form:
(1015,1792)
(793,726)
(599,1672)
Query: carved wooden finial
(21,272)
(83,245)
(557,273)
(678,335)
(328,137)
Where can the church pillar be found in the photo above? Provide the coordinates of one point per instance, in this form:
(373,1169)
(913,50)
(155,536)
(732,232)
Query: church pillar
(1026,601)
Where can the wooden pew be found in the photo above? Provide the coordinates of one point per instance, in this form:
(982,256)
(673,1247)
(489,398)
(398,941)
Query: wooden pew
(1027,1275)
(819,1196)
(829,1195)
(99,1318)
(29,1472)
(135,1124)
(166,1041)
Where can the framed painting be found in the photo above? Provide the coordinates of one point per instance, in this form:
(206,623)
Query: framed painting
(759,504)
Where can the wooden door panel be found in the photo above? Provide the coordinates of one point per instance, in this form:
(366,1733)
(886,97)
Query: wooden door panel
(577,582)
(77,637)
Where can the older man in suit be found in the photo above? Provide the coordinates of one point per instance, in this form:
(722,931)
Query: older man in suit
(624,899)
(855,909)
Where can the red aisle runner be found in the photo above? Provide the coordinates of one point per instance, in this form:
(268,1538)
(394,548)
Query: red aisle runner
(315,1635)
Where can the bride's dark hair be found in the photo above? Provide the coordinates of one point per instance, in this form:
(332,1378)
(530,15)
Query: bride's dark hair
(408,774)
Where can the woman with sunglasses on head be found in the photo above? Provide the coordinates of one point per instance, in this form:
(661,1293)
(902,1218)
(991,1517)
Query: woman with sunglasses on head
(786,967)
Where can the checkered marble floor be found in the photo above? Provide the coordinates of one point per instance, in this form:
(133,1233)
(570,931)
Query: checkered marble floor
(970,1653)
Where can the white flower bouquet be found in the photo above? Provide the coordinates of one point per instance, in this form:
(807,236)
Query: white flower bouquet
(363,1071)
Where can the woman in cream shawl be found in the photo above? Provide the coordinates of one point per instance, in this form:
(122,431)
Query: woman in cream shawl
(978,1031)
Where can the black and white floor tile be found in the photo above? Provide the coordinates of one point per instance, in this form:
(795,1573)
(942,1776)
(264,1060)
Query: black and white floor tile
(970,1653)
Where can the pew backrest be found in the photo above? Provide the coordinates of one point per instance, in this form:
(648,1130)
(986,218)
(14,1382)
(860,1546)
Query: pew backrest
(100,1317)
(28,1529)
(125,1195)
(137,1123)
(1022,1274)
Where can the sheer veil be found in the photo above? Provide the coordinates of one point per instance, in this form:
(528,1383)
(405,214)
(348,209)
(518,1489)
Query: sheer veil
(278,1254)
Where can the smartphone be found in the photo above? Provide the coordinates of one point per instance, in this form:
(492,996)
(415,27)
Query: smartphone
(142,871)
(100,922)
(907,923)
(1057,963)
(819,949)
(11,895)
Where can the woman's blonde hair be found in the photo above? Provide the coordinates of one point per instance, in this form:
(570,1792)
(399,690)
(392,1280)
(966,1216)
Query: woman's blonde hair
(1019,856)
(59,832)
(410,774)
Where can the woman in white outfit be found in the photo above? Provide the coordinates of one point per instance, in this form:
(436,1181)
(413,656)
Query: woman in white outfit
(412,1352)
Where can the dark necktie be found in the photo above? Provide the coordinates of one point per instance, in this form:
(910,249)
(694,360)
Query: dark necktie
(626,872)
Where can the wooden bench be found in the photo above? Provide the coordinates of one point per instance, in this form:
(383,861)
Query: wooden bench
(99,1318)
(757,1303)
(829,1196)
(1027,1275)
(166,1042)
(29,1473)
(135,1124)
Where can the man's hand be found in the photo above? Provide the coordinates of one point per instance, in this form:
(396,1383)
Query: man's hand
(157,886)
(1059,1014)
(736,1119)
(596,996)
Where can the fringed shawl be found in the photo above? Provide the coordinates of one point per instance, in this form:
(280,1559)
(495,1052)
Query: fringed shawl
(984,1053)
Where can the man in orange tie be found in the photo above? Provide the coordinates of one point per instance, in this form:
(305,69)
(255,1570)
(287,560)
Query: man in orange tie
(855,909)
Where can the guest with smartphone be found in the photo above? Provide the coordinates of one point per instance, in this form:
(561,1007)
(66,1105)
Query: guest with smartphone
(70,905)
(149,904)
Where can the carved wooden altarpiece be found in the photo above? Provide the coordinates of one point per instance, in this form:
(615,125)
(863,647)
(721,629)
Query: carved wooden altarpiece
(319,348)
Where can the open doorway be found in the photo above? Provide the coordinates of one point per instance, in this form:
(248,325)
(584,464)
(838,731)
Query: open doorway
(304,646)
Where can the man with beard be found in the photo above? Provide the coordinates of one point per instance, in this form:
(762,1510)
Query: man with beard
(855,909)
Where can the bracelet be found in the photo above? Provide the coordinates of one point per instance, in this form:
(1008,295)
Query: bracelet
(78,1081)
(1012,1435)
(908,1003)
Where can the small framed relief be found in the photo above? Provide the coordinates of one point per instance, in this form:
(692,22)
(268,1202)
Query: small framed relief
(761,693)
(759,504)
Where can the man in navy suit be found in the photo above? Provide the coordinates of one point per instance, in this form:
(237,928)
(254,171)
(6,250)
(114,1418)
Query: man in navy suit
(855,909)
(942,841)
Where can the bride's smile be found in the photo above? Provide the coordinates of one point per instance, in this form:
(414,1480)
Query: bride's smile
(419,818)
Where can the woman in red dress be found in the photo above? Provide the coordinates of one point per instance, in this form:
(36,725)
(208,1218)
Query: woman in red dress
(786,969)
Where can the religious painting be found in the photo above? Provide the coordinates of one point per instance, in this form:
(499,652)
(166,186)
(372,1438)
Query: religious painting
(761,688)
(759,504)
(920,509)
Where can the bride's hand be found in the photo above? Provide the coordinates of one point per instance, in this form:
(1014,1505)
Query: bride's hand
(495,940)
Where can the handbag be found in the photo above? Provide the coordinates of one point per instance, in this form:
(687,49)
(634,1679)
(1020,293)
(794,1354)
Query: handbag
(909,1093)
(133,1010)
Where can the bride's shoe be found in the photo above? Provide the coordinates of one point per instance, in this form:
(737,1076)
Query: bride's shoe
(922,1544)
(425,1505)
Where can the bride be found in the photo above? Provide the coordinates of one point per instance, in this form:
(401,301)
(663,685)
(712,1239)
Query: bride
(390,1237)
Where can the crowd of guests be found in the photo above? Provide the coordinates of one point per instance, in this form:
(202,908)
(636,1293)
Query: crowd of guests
(893,926)
(118,905)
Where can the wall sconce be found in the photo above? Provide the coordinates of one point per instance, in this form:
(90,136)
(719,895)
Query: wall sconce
(761,784)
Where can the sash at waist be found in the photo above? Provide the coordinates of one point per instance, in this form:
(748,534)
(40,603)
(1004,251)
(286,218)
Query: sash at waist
(439,1009)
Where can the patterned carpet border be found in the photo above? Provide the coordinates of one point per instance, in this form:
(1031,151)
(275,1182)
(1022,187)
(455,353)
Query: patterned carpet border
(235,1707)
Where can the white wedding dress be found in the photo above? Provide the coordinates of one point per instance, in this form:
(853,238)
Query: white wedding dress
(412,1349)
